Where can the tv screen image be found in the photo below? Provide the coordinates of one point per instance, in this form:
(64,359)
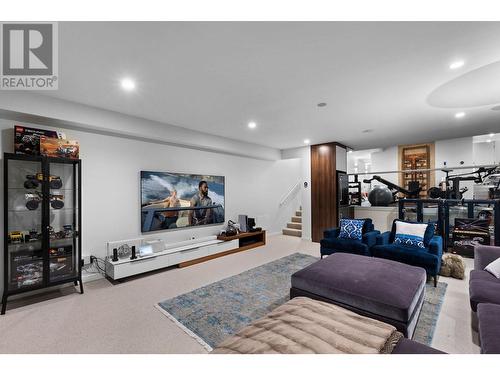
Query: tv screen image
(176,200)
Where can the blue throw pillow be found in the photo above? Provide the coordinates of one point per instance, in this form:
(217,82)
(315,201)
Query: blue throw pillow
(351,229)
(410,234)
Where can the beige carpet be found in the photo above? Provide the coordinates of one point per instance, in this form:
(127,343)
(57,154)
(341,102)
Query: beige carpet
(122,318)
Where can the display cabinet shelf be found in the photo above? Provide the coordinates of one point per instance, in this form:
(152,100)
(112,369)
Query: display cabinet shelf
(42,245)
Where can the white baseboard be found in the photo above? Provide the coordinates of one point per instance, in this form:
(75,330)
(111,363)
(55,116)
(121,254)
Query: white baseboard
(88,277)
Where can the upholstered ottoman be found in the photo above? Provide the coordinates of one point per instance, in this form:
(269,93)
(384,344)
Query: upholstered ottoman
(378,288)
(488,316)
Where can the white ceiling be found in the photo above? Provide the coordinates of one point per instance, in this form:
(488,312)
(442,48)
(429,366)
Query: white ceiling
(214,77)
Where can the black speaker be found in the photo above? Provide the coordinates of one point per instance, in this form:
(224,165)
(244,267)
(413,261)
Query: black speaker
(133,256)
(251,224)
(115,255)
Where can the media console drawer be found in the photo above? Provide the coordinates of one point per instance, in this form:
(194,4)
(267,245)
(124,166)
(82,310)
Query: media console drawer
(187,255)
(221,247)
(119,271)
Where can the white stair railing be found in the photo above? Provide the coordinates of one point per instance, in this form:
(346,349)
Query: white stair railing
(290,194)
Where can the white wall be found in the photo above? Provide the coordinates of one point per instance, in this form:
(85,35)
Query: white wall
(54,112)
(303,155)
(111,188)
(341,159)
(370,162)
(454,152)
(486,152)
(386,160)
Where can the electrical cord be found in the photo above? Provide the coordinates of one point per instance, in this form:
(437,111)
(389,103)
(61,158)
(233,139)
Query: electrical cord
(97,265)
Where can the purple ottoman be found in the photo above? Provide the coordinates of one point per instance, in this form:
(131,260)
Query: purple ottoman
(488,316)
(382,289)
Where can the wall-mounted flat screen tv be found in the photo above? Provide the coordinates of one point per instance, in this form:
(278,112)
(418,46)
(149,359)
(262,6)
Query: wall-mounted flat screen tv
(176,200)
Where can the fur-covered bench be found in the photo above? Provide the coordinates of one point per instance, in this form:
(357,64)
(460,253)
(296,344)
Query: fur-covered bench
(306,326)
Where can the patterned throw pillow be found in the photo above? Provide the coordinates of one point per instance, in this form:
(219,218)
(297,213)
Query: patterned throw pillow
(410,234)
(351,228)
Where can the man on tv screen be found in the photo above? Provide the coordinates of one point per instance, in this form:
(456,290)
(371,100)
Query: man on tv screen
(201,199)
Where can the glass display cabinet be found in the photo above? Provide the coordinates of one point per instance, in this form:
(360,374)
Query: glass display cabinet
(42,219)
(471,222)
(463,224)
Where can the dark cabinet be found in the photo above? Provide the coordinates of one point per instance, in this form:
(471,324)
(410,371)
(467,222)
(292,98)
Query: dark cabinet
(42,218)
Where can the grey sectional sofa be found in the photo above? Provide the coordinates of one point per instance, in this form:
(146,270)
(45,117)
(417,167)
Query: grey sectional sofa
(484,293)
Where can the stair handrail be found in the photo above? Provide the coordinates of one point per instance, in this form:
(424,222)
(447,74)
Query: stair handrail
(290,193)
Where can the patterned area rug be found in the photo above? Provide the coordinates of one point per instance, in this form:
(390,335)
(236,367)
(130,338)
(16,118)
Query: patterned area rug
(216,311)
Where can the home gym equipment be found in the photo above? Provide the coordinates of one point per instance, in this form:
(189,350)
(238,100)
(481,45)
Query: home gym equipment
(385,195)
(450,187)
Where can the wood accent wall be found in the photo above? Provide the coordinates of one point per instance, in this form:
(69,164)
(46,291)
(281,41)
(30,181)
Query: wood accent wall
(324,213)
(431,176)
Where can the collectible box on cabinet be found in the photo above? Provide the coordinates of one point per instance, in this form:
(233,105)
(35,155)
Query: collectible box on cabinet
(59,148)
(27,140)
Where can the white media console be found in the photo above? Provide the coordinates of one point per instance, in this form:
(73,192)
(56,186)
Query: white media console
(167,255)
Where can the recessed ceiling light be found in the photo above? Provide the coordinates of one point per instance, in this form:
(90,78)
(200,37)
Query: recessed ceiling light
(307,141)
(252,125)
(488,140)
(128,84)
(456,64)
(367,131)
(321,104)
(459,114)
(492,134)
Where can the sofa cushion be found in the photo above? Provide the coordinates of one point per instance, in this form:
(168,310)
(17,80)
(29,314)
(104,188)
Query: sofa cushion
(379,286)
(405,254)
(483,275)
(484,255)
(494,268)
(410,234)
(483,291)
(367,225)
(429,231)
(488,316)
(351,229)
(345,245)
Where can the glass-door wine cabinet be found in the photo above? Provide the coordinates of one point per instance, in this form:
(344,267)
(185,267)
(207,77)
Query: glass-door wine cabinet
(42,218)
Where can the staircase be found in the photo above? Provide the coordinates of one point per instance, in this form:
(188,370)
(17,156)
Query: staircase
(294,228)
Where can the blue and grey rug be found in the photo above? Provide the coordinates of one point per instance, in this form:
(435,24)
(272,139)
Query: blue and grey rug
(216,311)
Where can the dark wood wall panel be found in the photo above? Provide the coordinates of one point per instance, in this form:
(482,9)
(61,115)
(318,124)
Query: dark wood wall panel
(323,189)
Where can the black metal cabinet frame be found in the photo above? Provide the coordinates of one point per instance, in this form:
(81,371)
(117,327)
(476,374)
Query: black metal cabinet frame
(76,277)
(444,205)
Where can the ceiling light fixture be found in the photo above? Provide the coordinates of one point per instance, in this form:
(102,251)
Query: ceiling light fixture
(488,140)
(128,84)
(457,64)
(252,125)
(307,141)
(491,135)
(459,114)
(349,151)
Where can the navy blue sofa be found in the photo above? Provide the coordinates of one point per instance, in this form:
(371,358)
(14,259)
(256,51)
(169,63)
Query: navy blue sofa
(331,243)
(428,258)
